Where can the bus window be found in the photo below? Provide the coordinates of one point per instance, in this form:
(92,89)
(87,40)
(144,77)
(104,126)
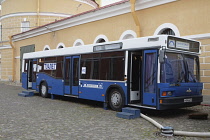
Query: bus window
(112,66)
(174,69)
(112,69)
(150,70)
(26,65)
(75,72)
(59,68)
(91,69)
(192,65)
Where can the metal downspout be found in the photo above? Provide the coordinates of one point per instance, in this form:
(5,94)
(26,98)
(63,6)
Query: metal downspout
(135,18)
(13,58)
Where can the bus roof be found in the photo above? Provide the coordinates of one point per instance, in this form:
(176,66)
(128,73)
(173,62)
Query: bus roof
(128,44)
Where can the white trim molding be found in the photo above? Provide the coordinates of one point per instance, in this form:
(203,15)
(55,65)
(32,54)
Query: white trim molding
(108,11)
(5,47)
(165,26)
(78,42)
(35,14)
(128,34)
(100,37)
(198,36)
(60,44)
(3,1)
(88,2)
(46,47)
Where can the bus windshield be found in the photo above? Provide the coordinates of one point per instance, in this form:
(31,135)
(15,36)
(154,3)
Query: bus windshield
(179,68)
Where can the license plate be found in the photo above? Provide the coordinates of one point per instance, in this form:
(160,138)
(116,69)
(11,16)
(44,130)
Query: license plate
(188,100)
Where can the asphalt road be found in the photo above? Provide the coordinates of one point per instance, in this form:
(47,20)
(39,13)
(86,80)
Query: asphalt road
(36,118)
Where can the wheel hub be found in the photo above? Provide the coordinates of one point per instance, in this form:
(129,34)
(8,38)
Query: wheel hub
(44,89)
(116,98)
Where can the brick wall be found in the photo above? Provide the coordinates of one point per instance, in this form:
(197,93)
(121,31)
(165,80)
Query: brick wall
(6,64)
(205,65)
(12,25)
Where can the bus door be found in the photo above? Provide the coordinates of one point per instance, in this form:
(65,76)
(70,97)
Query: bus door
(71,75)
(135,77)
(149,77)
(31,73)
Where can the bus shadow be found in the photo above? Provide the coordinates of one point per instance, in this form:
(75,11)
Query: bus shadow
(89,103)
(172,113)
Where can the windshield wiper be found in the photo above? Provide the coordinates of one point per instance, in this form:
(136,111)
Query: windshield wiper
(181,78)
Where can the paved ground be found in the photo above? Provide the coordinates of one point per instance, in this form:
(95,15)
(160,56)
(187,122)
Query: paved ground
(36,118)
(206,100)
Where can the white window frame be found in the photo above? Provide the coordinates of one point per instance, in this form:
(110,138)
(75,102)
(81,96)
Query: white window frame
(78,42)
(46,48)
(99,37)
(164,26)
(128,34)
(25,26)
(60,44)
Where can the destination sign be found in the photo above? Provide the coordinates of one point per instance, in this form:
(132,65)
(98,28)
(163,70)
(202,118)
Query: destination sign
(49,66)
(183,44)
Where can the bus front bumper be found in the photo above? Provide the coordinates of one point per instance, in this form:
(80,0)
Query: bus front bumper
(179,102)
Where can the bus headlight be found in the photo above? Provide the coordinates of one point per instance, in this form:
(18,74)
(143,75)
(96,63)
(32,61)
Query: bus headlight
(167,93)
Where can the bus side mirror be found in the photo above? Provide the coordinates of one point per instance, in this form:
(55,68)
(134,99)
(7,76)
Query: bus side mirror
(162,56)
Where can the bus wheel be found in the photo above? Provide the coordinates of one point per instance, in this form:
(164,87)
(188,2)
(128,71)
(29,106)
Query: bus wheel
(116,100)
(44,90)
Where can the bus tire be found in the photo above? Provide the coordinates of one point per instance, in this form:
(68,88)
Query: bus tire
(44,90)
(116,100)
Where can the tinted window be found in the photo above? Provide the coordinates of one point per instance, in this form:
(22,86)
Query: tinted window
(110,66)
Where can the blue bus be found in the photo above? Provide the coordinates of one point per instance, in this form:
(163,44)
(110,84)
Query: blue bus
(157,72)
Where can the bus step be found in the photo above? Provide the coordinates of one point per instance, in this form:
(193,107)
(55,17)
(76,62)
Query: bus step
(134,111)
(125,115)
(26,94)
(129,113)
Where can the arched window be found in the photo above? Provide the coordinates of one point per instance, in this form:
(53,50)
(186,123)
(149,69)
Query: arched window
(168,29)
(60,46)
(46,47)
(78,42)
(128,35)
(101,39)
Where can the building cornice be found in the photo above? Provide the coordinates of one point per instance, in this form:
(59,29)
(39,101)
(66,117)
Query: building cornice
(108,11)
(35,14)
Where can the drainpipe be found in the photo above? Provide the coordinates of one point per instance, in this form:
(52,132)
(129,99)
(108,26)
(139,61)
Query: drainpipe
(135,18)
(13,56)
(38,12)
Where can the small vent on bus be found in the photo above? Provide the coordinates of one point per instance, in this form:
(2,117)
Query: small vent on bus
(153,39)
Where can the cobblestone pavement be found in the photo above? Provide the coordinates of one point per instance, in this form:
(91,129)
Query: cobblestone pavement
(36,118)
